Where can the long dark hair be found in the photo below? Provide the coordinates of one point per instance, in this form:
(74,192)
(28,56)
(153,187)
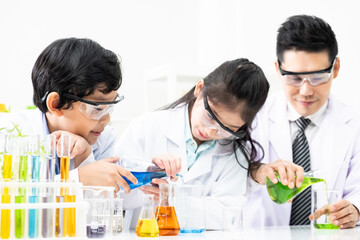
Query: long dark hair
(234,82)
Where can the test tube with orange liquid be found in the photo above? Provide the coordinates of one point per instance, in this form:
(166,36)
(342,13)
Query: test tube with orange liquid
(165,212)
(68,218)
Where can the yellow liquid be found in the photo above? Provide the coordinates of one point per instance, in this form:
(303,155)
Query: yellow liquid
(69,218)
(58,225)
(7,170)
(147,228)
(5,217)
(64,173)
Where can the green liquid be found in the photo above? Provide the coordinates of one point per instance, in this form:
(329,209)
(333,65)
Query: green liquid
(325,226)
(281,194)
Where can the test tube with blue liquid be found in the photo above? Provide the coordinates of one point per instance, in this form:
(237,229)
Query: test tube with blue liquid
(22,151)
(48,194)
(35,177)
(6,142)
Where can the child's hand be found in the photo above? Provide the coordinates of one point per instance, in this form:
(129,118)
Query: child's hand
(106,173)
(154,189)
(80,149)
(286,170)
(169,162)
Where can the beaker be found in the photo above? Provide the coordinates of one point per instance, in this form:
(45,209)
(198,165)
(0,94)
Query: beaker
(99,217)
(190,208)
(165,212)
(147,225)
(280,193)
(322,200)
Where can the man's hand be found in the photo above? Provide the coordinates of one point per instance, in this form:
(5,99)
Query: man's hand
(106,173)
(343,213)
(286,170)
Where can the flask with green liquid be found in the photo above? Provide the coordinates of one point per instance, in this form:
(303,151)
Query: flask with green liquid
(280,193)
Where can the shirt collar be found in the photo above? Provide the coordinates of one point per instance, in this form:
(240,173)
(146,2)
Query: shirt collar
(315,118)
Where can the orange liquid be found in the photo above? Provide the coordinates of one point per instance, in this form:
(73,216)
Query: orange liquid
(64,173)
(69,218)
(167,221)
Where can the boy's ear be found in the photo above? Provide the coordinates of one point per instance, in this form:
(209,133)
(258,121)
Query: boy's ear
(52,101)
(198,88)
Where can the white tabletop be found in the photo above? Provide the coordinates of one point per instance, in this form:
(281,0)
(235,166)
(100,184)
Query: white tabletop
(267,233)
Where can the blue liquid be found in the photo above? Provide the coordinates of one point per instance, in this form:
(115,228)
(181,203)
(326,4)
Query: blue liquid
(144,178)
(33,218)
(192,230)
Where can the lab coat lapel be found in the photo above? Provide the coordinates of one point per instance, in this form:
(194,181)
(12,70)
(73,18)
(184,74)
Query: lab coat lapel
(279,131)
(332,142)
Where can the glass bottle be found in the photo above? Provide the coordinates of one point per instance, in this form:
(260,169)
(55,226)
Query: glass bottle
(165,212)
(280,193)
(147,225)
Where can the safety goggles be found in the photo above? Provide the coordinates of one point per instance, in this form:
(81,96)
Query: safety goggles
(315,78)
(94,110)
(210,120)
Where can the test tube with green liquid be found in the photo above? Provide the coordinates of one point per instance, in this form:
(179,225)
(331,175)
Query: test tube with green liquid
(7,145)
(35,177)
(22,151)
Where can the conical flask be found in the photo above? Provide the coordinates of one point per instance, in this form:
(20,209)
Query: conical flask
(165,212)
(280,193)
(147,225)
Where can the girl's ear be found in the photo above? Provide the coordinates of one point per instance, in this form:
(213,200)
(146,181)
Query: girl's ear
(52,102)
(199,87)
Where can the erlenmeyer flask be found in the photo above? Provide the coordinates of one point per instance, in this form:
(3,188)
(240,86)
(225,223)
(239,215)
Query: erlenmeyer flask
(165,212)
(147,225)
(280,193)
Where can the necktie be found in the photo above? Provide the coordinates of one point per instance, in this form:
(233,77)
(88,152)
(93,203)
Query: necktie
(301,205)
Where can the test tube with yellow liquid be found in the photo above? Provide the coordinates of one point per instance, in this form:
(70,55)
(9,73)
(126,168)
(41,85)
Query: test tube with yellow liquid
(7,144)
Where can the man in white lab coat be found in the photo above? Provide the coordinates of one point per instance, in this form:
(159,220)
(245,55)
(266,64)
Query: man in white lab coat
(307,65)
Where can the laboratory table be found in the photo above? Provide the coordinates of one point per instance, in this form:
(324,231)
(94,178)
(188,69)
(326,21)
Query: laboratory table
(266,233)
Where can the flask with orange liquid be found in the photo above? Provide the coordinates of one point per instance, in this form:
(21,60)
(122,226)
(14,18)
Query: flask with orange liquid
(147,225)
(165,212)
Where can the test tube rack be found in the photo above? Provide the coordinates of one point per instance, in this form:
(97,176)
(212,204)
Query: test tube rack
(80,206)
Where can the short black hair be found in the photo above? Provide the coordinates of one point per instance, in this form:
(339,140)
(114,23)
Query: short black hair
(306,33)
(76,66)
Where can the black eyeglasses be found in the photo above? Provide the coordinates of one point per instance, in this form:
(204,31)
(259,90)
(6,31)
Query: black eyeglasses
(76,98)
(240,133)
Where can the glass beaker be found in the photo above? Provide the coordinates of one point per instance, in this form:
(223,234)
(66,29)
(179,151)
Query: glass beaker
(99,216)
(190,208)
(322,200)
(147,225)
(165,212)
(280,193)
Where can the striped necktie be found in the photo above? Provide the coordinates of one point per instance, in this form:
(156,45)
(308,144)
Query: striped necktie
(301,205)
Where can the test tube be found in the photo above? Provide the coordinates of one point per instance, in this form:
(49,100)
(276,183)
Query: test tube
(22,150)
(6,174)
(35,177)
(48,195)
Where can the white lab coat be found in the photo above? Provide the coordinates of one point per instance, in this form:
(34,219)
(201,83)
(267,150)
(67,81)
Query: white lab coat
(163,132)
(335,149)
(33,122)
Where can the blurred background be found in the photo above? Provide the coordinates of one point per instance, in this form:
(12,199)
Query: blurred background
(166,45)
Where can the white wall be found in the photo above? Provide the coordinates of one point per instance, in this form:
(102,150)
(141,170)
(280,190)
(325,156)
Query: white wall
(151,33)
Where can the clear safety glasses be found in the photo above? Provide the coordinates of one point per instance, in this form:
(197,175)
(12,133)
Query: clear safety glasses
(315,78)
(94,110)
(210,120)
